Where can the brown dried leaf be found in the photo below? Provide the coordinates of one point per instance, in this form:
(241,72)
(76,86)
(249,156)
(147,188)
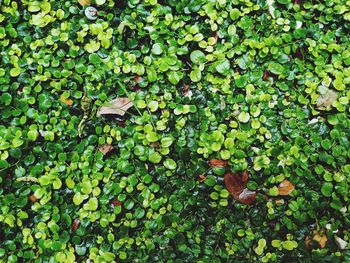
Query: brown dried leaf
(279,202)
(308,242)
(106,148)
(201,178)
(265,75)
(320,238)
(299,54)
(186,88)
(236,185)
(245,176)
(75,224)
(117,106)
(285,187)
(84,2)
(326,100)
(116,203)
(138,78)
(218,163)
(32,198)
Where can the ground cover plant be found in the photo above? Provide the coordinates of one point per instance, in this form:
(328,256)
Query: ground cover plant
(174,131)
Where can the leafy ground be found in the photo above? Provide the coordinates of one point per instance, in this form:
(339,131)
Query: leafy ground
(174,131)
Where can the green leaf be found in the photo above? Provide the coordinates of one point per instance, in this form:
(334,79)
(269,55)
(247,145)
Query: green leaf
(139,213)
(157,49)
(92,46)
(86,188)
(78,198)
(244,117)
(170,164)
(235,13)
(14,72)
(195,75)
(175,77)
(16,142)
(92,204)
(223,67)
(276,68)
(155,157)
(327,189)
(33,135)
(151,74)
(289,245)
(326,144)
(166,142)
(197,57)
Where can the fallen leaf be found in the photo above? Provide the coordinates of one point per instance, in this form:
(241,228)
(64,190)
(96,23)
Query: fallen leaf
(116,203)
(236,185)
(215,36)
(138,78)
(117,106)
(245,176)
(32,198)
(121,123)
(217,163)
(106,148)
(298,54)
(308,242)
(271,7)
(265,75)
(201,178)
(75,224)
(68,102)
(84,2)
(342,244)
(279,202)
(285,187)
(136,88)
(222,103)
(320,238)
(186,88)
(327,99)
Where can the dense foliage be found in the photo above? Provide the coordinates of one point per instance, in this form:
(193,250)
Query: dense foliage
(256,92)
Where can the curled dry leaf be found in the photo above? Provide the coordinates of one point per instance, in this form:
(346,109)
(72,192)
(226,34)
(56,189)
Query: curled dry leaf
(236,185)
(285,187)
(342,244)
(117,106)
(75,224)
(106,148)
(218,163)
(84,2)
(327,99)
